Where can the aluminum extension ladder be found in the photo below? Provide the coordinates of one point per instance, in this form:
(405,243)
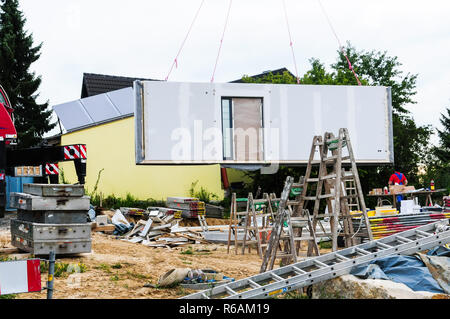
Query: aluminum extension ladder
(331,265)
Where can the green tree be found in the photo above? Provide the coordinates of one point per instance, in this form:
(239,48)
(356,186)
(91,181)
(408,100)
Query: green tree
(443,151)
(17,53)
(411,142)
(438,161)
(372,68)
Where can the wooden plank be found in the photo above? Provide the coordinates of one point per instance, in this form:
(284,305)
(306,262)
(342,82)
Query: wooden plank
(104,228)
(147,227)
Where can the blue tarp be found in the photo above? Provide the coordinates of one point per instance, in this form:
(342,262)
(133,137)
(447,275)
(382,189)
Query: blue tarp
(408,270)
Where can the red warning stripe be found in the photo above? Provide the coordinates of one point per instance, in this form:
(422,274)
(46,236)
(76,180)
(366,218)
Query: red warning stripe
(83,152)
(75,152)
(71,152)
(34,275)
(20,276)
(51,169)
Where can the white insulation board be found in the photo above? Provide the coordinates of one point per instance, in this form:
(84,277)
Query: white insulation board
(182,122)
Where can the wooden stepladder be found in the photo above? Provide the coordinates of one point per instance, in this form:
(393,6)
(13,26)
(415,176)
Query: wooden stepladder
(254,223)
(281,231)
(330,185)
(287,230)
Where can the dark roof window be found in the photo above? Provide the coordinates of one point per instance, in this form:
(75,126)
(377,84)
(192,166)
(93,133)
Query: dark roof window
(94,84)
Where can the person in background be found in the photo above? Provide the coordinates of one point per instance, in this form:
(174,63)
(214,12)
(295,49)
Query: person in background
(398,179)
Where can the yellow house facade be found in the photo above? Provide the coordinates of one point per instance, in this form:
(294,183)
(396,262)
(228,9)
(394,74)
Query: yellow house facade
(111,155)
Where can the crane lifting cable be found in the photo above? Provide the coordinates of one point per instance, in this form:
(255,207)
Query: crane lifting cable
(290,41)
(175,61)
(221,40)
(339,42)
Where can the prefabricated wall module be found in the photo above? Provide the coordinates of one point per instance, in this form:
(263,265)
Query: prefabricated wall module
(260,124)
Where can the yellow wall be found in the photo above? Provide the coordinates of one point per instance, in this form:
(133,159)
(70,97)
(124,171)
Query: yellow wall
(111,147)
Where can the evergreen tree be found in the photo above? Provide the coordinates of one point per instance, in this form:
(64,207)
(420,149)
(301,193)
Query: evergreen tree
(438,161)
(17,53)
(443,151)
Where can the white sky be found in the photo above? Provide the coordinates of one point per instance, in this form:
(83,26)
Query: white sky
(140,38)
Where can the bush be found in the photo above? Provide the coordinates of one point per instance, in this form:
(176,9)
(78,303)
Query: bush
(203,194)
(113,202)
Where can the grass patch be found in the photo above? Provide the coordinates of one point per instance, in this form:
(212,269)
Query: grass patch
(104,267)
(114,278)
(116,266)
(137,276)
(325,244)
(187,252)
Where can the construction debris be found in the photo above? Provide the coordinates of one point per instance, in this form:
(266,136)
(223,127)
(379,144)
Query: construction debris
(193,278)
(154,226)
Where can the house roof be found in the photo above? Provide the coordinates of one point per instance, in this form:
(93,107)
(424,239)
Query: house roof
(94,84)
(258,76)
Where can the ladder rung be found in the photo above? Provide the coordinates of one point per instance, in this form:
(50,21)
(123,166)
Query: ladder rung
(275,276)
(334,157)
(324,215)
(323,234)
(283,254)
(362,251)
(383,245)
(299,219)
(303,238)
(326,196)
(342,257)
(295,185)
(309,198)
(253,284)
(424,234)
(260,201)
(330,176)
(231,291)
(320,264)
(403,239)
(312,180)
(298,270)
(350,196)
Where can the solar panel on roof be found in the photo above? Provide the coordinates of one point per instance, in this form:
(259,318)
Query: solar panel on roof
(95,109)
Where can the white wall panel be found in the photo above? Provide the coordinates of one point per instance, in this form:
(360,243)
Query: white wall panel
(292,115)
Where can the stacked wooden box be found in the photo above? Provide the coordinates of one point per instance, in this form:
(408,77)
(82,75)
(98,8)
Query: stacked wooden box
(51,217)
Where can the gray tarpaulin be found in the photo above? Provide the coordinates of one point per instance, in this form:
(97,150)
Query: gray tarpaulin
(412,270)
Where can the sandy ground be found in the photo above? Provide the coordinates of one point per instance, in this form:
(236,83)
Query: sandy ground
(118,269)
